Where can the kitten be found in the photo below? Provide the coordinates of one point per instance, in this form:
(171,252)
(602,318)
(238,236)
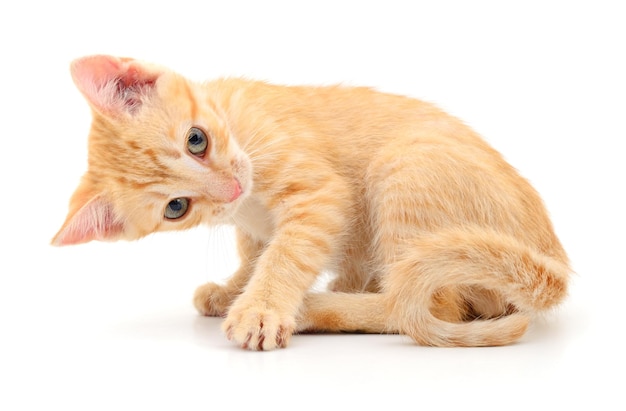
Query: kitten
(429,231)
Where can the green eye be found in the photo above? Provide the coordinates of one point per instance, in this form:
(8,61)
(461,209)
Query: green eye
(176,208)
(197,141)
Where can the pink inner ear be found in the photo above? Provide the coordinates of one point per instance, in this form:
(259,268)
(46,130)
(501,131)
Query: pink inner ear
(113,85)
(94,221)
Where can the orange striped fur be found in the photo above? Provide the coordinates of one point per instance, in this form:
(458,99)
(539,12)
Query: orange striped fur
(428,231)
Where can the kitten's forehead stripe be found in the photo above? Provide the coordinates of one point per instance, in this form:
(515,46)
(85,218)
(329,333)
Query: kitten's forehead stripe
(172,133)
(136,166)
(172,153)
(135,184)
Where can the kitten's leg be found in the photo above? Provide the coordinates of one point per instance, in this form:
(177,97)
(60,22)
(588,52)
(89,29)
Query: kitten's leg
(310,225)
(352,276)
(213,299)
(449,304)
(344,312)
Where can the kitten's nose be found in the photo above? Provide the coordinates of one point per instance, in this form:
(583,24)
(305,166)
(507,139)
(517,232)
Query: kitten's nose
(236,191)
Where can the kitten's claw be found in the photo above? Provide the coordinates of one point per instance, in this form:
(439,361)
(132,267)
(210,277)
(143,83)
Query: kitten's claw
(258,330)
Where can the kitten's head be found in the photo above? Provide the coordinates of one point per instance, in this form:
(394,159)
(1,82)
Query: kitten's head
(161,156)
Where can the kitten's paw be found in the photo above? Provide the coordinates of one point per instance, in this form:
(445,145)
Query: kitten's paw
(213,300)
(258,330)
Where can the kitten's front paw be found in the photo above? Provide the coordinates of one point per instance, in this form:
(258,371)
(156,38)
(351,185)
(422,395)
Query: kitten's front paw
(258,329)
(213,300)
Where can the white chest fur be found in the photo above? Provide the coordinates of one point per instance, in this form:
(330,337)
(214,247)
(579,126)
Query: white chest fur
(255,219)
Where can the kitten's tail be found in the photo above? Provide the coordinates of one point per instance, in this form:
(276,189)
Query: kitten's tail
(527,279)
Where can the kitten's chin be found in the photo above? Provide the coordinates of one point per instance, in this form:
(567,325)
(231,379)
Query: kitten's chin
(234,204)
(232,210)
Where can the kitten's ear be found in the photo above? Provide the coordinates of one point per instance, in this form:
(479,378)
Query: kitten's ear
(90,218)
(113,85)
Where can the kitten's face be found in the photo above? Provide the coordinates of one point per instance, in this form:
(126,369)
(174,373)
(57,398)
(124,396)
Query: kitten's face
(161,156)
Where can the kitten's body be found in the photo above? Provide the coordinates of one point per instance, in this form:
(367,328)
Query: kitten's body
(429,231)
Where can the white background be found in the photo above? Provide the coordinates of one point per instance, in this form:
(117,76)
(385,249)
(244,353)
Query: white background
(111,326)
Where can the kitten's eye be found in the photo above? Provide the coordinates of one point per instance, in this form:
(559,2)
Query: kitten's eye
(176,208)
(197,141)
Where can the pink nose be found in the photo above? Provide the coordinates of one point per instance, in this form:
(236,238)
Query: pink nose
(236,191)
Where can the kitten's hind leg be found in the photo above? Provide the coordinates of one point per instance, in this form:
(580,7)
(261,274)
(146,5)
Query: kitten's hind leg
(486,304)
(343,312)
(509,282)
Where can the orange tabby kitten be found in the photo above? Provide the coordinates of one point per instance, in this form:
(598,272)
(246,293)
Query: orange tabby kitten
(429,231)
